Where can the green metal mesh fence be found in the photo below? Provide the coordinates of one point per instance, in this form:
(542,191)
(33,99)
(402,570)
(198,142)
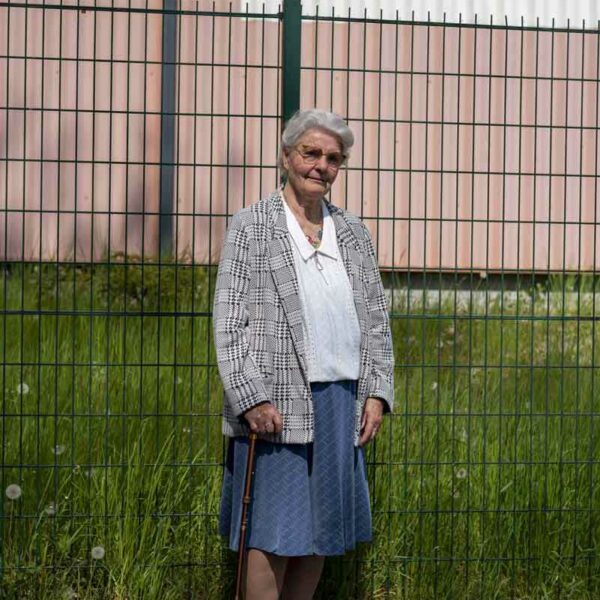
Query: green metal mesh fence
(131,131)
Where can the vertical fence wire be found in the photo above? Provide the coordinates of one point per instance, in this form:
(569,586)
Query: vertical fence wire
(593,413)
(8,514)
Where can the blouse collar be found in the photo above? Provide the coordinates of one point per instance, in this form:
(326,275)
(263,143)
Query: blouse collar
(328,245)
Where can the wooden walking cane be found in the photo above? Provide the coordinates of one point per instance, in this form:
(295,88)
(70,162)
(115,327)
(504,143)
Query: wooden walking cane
(245,504)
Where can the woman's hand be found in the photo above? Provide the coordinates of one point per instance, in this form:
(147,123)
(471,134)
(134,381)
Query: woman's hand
(371,420)
(264,418)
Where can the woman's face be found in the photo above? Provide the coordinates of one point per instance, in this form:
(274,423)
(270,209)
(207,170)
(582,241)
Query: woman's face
(313,164)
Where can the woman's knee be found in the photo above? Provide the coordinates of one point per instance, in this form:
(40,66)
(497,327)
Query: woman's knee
(302,577)
(264,575)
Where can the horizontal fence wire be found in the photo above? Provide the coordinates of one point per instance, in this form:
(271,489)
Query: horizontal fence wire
(475,168)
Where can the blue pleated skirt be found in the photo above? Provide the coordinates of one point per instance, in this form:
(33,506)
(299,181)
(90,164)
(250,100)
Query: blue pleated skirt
(306,498)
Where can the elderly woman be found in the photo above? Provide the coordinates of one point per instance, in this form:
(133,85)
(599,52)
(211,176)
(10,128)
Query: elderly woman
(304,351)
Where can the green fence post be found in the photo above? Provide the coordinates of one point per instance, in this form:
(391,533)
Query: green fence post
(167,127)
(291,49)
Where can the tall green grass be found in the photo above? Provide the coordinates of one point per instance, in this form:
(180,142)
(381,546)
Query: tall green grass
(485,482)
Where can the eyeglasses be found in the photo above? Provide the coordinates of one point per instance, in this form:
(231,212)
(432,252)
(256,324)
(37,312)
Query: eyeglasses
(312,155)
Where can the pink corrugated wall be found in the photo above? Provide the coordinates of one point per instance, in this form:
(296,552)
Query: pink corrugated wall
(70,153)
(476,148)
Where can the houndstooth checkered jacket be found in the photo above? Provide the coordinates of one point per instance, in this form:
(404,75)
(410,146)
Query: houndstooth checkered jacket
(258,320)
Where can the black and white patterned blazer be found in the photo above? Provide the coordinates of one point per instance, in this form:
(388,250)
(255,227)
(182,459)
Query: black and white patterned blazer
(258,320)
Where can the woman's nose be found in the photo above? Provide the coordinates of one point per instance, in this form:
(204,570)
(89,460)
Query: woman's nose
(322,163)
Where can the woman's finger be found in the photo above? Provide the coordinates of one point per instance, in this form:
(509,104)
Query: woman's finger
(278,422)
(372,422)
(264,419)
(365,436)
(366,431)
(374,432)
(372,413)
(272,420)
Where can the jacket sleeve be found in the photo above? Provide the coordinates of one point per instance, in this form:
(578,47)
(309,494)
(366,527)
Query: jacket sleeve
(242,381)
(380,336)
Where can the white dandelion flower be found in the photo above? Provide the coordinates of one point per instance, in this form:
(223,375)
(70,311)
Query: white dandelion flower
(89,473)
(461,473)
(13,491)
(456,494)
(59,449)
(187,430)
(179,381)
(450,331)
(22,389)
(50,510)
(70,594)
(434,386)
(441,344)
(98,553)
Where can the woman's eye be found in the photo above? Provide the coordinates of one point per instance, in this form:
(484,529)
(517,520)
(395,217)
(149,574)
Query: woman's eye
(313,153)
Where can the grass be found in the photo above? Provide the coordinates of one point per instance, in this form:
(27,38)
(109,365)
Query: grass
(485,482)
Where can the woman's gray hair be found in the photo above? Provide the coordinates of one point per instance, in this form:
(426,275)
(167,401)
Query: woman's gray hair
(303,120)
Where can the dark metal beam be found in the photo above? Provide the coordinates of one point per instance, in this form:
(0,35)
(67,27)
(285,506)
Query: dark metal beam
(291,51)
(167,127)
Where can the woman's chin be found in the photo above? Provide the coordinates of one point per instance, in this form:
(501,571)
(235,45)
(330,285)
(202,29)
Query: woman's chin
(316,188)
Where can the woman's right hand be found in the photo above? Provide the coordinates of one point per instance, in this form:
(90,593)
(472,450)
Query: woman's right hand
(264,418)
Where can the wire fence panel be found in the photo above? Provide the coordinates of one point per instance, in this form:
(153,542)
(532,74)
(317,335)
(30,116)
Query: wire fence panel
(81,132)
(112,453)
(227,126)
(475,168)
(477,128)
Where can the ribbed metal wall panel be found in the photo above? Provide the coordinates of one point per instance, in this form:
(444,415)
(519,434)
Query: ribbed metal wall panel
(544,13)
(477,148)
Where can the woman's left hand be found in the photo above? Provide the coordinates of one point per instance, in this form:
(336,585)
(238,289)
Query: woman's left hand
(371,420)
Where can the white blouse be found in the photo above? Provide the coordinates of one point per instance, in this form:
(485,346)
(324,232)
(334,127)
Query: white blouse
(331,328)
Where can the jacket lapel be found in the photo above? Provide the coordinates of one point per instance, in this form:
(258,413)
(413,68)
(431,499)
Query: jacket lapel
(283,270)
(353,262)
(352,257)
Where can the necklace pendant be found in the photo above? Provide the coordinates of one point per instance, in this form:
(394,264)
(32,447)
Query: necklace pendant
(315,241)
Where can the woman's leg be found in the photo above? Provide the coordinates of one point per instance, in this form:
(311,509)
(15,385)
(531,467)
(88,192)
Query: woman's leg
(264,575)
(302,576)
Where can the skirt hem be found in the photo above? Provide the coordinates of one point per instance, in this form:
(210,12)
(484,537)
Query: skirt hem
(294,554)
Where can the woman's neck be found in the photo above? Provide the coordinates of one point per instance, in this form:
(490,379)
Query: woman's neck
(307,209)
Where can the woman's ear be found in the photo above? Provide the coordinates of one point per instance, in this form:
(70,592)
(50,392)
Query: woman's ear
(285,159)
